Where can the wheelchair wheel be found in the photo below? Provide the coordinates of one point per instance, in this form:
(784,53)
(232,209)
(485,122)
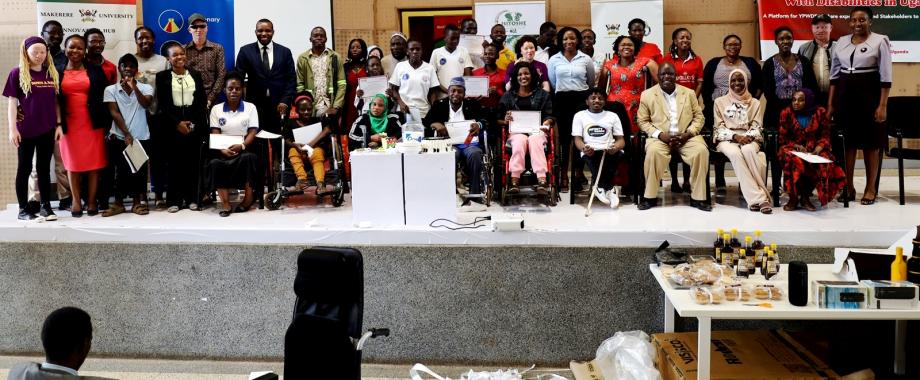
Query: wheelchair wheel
(273,200)
(339,197)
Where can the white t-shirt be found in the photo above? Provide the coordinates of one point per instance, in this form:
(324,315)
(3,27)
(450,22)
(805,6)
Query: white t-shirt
(414,84)
(234,122)
(597,129)
(450,65)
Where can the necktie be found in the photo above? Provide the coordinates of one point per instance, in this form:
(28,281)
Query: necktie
(265,62)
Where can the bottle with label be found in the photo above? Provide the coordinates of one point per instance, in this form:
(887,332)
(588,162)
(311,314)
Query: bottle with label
(741,269)
(758,247)
(749,255)
(913,263)
(717,245)
(727,251)
(898,266)
(772,266)
(736,244)
(762,264)
(775,251)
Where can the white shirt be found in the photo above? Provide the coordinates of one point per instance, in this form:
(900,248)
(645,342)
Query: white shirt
(234,122)
(575,75)
(183,89)
(597,129)
(455,116)
(672,109)
(450,65)
(60,368)
(414,84)
(542,55)
(134,115)
(270,50)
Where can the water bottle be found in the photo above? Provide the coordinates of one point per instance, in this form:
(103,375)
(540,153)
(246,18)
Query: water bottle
(413,131)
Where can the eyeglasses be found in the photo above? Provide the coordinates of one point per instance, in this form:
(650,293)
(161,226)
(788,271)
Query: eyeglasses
(199,26)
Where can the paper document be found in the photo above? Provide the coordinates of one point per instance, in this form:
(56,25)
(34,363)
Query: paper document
(221,142)
(305,135)
(458,131)
(263,134)
(525,122)
(135,155)
(476,86)
(373,85)
(812,158)
(472,43)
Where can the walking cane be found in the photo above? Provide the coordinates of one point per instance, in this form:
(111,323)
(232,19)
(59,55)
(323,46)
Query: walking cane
(600,168)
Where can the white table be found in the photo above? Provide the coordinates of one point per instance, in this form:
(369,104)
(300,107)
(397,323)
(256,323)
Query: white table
(430,183)
(679,300)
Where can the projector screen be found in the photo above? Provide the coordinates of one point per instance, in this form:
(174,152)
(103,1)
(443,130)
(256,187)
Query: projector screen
(293,20)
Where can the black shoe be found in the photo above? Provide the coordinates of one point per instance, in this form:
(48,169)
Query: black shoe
(647,203)
(47,212)
(92,212)
(24,214)
(65,204)
(687,188)
(676,189)
(33,207)
(701,205)
(720,190)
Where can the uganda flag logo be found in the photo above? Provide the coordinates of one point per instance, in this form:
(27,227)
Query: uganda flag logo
(171,21)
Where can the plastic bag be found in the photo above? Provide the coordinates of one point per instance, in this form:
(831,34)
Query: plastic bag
(511,374)
(628,356)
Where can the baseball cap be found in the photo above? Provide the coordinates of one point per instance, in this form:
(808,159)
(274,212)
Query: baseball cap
(821,18)
(195,17)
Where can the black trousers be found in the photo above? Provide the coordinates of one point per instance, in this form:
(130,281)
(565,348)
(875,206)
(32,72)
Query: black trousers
(565,106)
(607,173)
(127,184)
(185,167)
(157,148)
(42,147)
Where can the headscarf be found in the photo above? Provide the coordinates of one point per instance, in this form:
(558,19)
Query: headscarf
(370,49)
(379,123)
(810,104)
(32,41)
(745,97)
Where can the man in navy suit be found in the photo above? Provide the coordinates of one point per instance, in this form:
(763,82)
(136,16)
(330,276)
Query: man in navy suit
(270,85)
(270,78)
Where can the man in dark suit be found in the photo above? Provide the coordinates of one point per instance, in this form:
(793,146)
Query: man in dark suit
(67,336)
(270,84)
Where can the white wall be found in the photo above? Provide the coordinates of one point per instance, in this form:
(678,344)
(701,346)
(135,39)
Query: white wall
(293,20)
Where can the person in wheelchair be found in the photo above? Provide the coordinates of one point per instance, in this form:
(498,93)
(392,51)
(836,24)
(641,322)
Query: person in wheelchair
(234,167)
(373,128)
(453,109)
(526,95)
(596,128)
(314,151)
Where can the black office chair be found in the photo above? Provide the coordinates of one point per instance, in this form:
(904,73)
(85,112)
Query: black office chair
(902,124)
(324,340)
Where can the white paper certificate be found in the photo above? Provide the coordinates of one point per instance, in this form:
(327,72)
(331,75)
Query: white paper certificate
(812,158)
(458,131)
(305,135)
(472,43)
(476,86)
(224,141)
(524,122)
(373,85)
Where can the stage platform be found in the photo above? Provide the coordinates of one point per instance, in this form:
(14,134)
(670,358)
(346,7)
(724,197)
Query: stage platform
(305,222)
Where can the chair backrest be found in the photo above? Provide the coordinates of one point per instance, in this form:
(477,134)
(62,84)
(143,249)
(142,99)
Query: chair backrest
(330,284)
(901,115)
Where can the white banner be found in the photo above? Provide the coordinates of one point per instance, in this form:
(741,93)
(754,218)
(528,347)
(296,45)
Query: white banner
(610,18)
(519,18)
(293,21)
(117,19)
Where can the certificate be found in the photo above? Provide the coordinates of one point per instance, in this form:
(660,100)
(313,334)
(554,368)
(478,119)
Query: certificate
(458,131)
(476,86)
(373,85)
(304,135)
(221,142)
(812,158)
(135,155)
(525,122)
(472,43)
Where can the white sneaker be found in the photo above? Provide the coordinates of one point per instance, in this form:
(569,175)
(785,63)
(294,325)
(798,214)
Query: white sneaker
(614,196)
(473,207)
(602,196)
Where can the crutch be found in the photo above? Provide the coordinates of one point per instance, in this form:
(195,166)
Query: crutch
(600,168)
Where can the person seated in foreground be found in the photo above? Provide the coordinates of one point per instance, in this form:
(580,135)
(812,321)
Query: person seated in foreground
(314,151)
(373,128)
(672,118)
(453,109)
(67,336)
(234,167)
(598,133)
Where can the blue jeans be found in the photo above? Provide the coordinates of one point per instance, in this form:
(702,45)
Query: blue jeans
(470,159)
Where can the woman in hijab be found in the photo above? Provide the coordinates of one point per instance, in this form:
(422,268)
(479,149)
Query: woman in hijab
(805,127)
(738,125)
(375,126)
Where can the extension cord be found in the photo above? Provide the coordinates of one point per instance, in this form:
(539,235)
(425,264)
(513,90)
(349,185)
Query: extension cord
(507,222)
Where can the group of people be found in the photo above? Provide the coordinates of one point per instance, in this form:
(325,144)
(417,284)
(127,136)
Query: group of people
(596,107)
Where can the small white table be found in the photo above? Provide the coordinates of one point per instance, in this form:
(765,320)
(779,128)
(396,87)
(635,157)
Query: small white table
(679,300)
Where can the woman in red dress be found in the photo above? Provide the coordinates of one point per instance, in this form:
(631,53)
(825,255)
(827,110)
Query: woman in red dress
(626,74)
(355,68)
(84,121)
(804,127)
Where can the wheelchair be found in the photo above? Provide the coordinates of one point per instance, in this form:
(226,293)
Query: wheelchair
(335,174)
(529,178)
(487,179)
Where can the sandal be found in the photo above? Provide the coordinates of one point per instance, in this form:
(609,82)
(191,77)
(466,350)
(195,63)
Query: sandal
(224,213)
(766,208)
(514,188)
(320,188)
(851,196)
(172,209)
(160,205)
(92,212)
(754,208)
(141,208)
(791,206)
(242,208)
(806,204)
(541,187)
(113,210)
(867,201)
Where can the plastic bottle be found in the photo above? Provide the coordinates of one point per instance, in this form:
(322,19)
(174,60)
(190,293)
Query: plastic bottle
(899,266)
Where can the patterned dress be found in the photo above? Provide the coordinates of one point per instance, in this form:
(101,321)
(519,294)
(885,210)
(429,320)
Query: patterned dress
(827,179)
(626,86)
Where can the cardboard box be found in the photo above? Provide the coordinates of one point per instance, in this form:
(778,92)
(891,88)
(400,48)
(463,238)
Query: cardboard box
(739,355)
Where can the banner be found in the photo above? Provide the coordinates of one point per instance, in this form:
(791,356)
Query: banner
(519,18)
(610,19)
(293,21)
(116,18)
(899,21)
(169,21)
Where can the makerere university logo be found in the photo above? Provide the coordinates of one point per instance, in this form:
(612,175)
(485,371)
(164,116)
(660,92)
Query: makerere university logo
(613,30)
(171,21)
(88,15)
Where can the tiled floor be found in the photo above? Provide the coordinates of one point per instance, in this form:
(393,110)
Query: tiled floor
(143,369)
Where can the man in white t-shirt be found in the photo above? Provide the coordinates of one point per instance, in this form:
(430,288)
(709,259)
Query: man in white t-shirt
(414,82)
(597,133)
(451,61)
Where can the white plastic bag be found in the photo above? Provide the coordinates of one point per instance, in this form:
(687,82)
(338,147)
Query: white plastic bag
(628,356)
(511,374)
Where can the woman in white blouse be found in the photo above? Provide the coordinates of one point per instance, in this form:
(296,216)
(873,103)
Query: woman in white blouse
(234,167)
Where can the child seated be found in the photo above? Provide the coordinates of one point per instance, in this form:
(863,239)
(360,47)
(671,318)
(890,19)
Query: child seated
(315,150)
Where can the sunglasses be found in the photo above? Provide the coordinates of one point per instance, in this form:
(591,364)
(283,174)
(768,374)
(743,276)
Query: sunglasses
(199,26)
